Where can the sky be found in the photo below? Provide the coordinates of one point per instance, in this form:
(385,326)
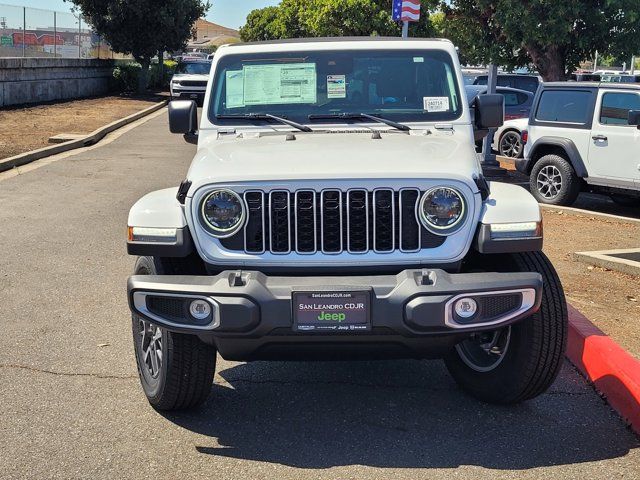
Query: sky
(229,13)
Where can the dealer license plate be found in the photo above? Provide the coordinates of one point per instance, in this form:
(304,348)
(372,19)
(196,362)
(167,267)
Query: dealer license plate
(331,311)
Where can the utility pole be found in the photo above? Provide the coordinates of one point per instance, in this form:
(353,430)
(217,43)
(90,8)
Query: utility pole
(405,29)
(55,36)
(24,30)
(633,65)
(489,161)
(595,63)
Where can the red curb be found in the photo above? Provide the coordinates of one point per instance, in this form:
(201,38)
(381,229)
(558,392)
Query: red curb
(611,369)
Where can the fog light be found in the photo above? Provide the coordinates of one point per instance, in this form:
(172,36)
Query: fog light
(200,309)
(466,307)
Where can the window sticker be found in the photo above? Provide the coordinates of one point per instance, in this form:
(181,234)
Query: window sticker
(436,104)
(336,86)
(279,83)
(235,89)
(418,59)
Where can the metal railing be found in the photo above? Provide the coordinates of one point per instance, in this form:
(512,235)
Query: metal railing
(34,32)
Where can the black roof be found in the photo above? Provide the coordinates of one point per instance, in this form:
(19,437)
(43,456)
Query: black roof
(622,86)
(336,40)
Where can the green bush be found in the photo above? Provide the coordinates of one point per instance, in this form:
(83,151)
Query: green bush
(125,77)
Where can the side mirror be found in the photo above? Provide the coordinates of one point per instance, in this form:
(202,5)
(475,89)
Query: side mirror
(489,111)
(634,118)
(183,117)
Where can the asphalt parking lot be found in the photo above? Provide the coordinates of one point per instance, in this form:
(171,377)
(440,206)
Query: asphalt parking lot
(72,406)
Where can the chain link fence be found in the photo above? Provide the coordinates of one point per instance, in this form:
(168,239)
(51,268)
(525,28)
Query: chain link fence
(34,32)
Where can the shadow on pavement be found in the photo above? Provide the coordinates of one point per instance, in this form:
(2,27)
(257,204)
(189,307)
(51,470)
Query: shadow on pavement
(406,414)
(603,204)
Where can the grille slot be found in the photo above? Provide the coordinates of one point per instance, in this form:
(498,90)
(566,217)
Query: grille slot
(332,221)
(357,221)
(409,226)
(383,220)
(254,232)
(280,223)
(305,208)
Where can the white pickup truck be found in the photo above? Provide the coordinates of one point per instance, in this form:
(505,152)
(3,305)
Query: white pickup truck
(336,209)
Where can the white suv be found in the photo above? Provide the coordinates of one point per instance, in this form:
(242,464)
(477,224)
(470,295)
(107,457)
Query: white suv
(584,137)
(336,209)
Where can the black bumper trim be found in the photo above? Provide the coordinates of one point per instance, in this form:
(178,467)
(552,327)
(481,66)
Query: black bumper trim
(268,300)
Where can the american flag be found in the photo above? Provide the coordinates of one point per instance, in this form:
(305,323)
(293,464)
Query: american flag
(406,10)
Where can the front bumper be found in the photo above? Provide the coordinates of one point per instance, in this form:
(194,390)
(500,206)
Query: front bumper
(411,313)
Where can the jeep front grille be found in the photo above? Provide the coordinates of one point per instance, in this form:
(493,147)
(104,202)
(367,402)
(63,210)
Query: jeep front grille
(332,221)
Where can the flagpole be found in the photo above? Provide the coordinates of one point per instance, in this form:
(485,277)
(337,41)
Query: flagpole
(405,29)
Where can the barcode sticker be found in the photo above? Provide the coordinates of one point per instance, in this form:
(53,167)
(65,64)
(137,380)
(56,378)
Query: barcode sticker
(436,104)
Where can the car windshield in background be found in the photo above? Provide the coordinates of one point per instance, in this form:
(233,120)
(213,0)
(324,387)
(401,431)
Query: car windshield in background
(401,85)
(194,68)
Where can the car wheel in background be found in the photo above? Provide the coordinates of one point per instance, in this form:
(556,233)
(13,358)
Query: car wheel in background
(510,144)
(553,181)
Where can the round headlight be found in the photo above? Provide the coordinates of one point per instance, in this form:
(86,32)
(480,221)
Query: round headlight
(223,212)
(441,210)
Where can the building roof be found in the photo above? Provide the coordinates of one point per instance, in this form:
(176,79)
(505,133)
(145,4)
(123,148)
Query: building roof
(205,29)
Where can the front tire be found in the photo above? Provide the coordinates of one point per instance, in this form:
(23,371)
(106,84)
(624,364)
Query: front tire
(176,370)
(553,181)
(521,361)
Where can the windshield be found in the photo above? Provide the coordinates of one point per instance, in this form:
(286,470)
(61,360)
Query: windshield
(195,68)
(400,85)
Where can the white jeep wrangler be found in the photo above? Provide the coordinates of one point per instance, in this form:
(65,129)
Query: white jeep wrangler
(336,209)
(584,137)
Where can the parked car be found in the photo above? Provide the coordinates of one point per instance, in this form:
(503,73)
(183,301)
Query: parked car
(317,222)
(513,110)
(584,137)
(508,141)
(190,80)
(529,83)
(517,103)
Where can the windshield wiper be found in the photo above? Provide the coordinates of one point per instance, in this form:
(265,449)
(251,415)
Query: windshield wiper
(266,116)
(324,116)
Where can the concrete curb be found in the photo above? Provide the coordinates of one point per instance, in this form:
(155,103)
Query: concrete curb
(613,371)
(589,213)
(90,139)
(608,259)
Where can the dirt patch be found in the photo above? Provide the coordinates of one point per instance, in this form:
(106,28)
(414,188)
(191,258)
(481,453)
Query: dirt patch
(608,298)
(29,128)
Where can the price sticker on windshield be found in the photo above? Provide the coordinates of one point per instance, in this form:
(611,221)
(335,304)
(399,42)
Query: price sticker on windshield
(436,104)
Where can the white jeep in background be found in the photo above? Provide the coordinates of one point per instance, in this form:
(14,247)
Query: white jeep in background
(584,136)
(336,209)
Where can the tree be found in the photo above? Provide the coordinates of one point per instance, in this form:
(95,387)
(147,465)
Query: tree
(143,28)
(553,35)
(330,18)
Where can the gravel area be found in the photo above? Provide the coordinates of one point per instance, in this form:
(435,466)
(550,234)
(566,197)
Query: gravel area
(608,298)
(29,128)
